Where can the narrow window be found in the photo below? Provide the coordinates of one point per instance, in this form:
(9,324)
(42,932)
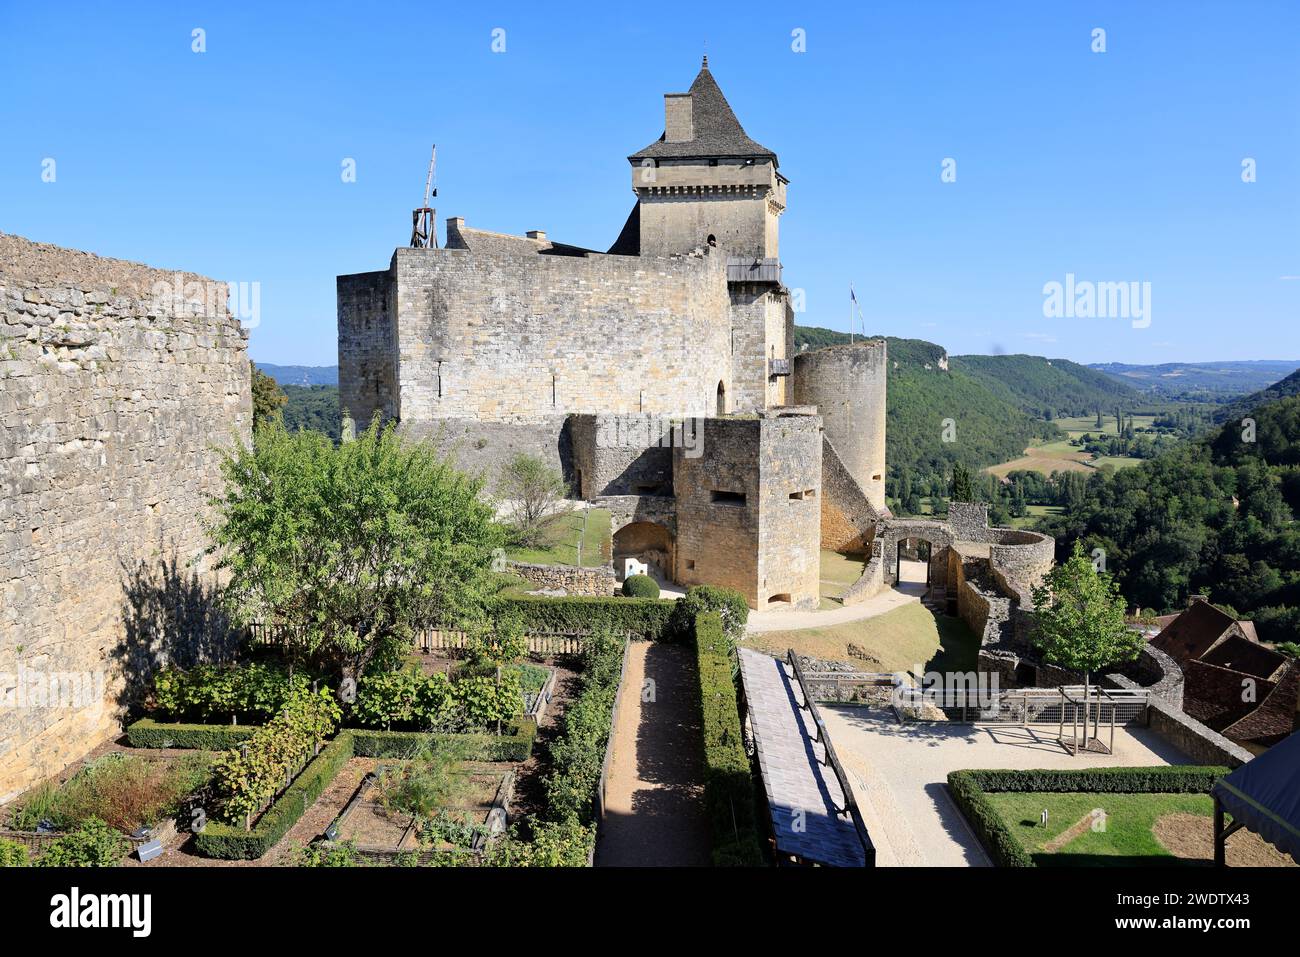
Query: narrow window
(797,496)
(690,564)
(721,497)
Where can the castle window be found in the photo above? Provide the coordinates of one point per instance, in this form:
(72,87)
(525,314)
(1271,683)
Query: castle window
(722,399)
(721,497)
(712,240)
(713,162)
(690,564)
(797,496)
(779,597)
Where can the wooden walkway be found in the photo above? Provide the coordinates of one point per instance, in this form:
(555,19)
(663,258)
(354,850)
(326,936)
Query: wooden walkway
(654,804)
(803,794)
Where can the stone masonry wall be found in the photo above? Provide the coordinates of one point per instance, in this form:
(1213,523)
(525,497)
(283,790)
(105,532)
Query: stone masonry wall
(367,348)
(513,337)
(571,580)
(116,394)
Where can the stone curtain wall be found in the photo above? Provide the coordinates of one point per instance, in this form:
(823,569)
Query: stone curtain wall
(114,401)
(789,538)
(505,337)
(600,582)
(848,520)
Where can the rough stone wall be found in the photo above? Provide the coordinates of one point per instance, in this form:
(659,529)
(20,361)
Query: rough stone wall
(367,348)
(514,338)
(625,454)
(790,474)
(598,582)
(485,448)
(758,335)
(1200,743)
(116,393)
(847,384)
(848,520)
(683,202)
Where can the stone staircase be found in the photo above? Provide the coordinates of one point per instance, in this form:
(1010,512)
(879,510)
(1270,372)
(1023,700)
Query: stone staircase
(936,599)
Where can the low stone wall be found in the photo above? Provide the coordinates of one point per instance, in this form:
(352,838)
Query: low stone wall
(872,581)
(599,582)
(1202,744)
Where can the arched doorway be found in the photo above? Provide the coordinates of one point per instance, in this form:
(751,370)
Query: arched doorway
(649,543)
(722,398)
(912,566)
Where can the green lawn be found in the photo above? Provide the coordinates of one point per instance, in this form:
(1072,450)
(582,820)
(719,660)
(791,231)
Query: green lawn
(838,572)
(898,640)
(1124,834)
(562,536)
(1035,513)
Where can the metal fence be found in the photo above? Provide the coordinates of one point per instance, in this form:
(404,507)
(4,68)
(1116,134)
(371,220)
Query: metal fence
(1022,706)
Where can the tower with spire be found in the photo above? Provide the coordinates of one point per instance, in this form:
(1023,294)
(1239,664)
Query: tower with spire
(706,185)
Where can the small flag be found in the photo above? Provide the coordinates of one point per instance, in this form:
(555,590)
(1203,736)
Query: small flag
(851,294)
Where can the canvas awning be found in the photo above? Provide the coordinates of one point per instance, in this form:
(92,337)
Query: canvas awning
(1264,796)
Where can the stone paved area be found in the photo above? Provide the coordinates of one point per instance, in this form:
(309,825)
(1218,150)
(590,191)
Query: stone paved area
(802,794)
(898,773)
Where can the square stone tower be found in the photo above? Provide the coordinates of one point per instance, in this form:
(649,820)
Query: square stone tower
(705,184)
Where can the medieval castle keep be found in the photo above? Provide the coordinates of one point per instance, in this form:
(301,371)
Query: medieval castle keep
(496,344)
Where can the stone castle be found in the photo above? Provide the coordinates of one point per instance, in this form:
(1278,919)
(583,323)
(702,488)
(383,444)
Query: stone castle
(497,344)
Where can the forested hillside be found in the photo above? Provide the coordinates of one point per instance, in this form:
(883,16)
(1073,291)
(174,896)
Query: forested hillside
(989,426)
(1235,411)
(1048,388)
(312,407)
(1211,517)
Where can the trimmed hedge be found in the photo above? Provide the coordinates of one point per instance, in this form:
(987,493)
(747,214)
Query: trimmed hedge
(515,745)
(231,842)
(969,790)
(647,617)
(148,733)
(640,586)
(728,779)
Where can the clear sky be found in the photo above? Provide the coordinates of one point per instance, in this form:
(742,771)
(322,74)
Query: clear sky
(1122,166)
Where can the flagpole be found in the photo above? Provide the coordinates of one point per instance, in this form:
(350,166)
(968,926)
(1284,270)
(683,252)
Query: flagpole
(850,313)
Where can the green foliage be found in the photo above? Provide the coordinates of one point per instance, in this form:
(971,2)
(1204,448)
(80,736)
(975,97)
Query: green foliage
(645,617)
(351,547)
(417,701)
(728,780)
(267,397)
(314,407)
(961,489)
(426,783)
(231,842)
(127,791)
(640,586)
(325,854)
(147,733)
(253,692)
(12,853)
(1079,618)
(968,790)
(536,493)
(514,745)
(37,805)
(730,604)
(1037,385)
(578,755)
(93,844)
(251,774)
(551,844)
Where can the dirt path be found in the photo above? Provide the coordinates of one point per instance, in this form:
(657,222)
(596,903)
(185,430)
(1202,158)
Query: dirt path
(887,600)
(654,809)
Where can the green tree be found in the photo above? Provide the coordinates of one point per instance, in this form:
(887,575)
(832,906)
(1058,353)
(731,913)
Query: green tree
(352,547)
(962,489)
(1079,620)
(535,493)
(267,395)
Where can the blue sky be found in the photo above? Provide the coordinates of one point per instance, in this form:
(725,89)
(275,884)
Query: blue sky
(1122,166)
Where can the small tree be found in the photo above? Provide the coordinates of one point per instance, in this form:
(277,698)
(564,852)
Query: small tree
(536,495)
(268,397)
(352,547)
(962,489)
(1079,620)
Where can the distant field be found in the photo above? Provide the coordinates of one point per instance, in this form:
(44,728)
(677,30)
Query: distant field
(1061,456)
(1080,424)
(1035,513)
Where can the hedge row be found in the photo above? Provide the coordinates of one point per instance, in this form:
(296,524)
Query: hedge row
(514,745)
(148,733)
(728,780)
(232,842)
(969,790)
(647,617)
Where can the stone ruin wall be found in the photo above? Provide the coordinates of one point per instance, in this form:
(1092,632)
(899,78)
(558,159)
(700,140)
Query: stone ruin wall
(114,401)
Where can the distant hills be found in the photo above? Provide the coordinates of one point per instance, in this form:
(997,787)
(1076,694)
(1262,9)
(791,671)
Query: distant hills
(301,375)
(1212,379)
(1284,389)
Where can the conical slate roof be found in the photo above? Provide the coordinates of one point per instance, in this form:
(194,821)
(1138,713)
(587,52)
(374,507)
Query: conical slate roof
(717,131)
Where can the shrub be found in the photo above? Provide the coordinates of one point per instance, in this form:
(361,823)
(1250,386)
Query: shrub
(729,604)
(418,701)
(250,775)
(428,782)
(147,733)
(253,691)
(232,842)
(322,854)
(645,617)
(728,779)
(93,844)
(640,586)
(127,791)
(578,755)
(553,844)
(37,805)
(12,853)
(515,745)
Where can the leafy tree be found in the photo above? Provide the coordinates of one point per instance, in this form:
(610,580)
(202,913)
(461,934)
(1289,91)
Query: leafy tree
(536,495)
(961,489)
(1079,620)
(267,396)
(352,547)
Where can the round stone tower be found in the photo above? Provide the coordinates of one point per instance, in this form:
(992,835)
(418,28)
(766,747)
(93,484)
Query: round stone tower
(847,384)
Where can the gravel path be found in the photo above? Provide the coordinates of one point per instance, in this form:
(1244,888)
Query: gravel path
(654,807)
